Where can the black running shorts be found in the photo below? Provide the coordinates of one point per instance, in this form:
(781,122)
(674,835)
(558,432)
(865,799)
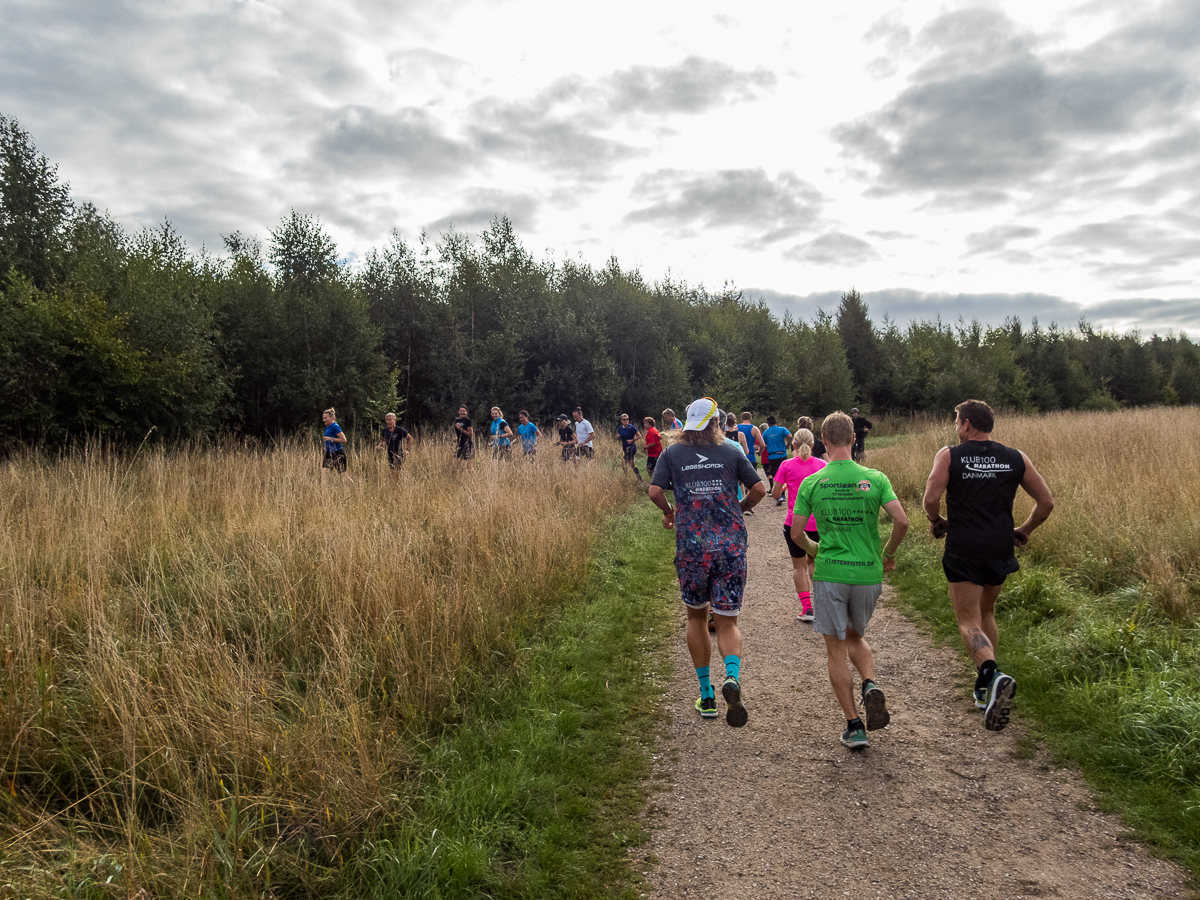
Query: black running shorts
(984,572)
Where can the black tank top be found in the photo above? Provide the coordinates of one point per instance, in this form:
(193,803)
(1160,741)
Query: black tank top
(984,477)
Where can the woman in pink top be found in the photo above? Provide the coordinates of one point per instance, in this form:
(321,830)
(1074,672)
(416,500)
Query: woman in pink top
(791,473)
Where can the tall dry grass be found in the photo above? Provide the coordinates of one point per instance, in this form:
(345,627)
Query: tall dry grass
(1126,487)
(214,664)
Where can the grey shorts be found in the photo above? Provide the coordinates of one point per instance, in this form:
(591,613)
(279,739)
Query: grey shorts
(837,607)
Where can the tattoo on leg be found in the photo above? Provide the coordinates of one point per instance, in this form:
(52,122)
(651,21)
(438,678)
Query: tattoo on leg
(979,640)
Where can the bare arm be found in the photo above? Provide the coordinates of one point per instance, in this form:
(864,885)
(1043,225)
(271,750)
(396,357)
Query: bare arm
(1043,502)
(935,486)
(777,490)
(408,441)
(899,529)
(753,496)
(659,498)
(758,438)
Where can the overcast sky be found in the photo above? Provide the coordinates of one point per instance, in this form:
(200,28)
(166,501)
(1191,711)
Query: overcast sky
(954,159)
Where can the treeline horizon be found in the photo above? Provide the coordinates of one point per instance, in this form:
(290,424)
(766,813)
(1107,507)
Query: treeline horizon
(112,334)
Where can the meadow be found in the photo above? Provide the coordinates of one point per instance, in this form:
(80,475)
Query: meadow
(1100,625)
(223,675)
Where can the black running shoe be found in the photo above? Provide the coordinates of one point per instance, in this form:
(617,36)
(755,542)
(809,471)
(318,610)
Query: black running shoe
(707,707)
(999,701)
(735,715)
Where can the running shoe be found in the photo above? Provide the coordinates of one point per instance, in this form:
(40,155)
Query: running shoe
(806,615)
(707,707)
(854,738)
(999,701)
(981,698)
(735,715)
(779,501)
(875,707)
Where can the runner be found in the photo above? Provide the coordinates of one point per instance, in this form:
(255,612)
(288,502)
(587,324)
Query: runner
(670,423)
(584,432)
(629,435)
(818,448)
(790,474)
(653,444)
(775,441)
(397,441)
(861,427)
(845,499)
(566,440)
(464,436)
(980,478)
(734,434)
(754,441)
(502,436)
(335,446)
(710,545)
(529,435)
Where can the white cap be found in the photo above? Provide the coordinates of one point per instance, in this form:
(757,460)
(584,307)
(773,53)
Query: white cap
(700,413)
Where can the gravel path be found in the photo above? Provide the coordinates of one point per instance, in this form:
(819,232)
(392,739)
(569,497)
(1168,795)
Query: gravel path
(936,807)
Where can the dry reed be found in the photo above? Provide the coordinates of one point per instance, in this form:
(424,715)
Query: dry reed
(1126,487)
(213,659)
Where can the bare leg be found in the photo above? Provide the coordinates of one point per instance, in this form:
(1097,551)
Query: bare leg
(855,650)
(800,576)
(698,642)
(978,630)
(729,636)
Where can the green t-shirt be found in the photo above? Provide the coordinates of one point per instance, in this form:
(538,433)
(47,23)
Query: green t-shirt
(845,498)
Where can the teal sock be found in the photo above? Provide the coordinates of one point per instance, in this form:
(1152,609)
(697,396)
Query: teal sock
(733,666)
(706,688)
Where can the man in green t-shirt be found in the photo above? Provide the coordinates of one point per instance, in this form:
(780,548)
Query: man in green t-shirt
(845,499)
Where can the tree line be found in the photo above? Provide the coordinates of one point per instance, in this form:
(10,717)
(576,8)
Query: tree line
(112,334)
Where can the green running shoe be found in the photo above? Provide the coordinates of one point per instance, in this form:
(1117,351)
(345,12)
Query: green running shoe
(707,707)
(855,738)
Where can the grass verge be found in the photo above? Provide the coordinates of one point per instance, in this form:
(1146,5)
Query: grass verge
(539,792)
(1111,682)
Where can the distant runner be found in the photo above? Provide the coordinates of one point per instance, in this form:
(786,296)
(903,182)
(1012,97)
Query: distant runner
(629,435)
(584,432)
(397,441)
(818,447)
(464,436)
(861,427)
(529,435)
(670,423)
(845,498)
(710,545)
(980,478)
(566,440)
(502,435)
(775,441)
(653,444)
(335,446)
(754,441)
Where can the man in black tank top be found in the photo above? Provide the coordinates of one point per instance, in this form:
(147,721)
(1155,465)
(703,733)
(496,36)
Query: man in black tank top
(980,479)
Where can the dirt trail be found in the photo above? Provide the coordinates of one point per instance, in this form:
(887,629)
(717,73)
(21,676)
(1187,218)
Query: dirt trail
(936,807)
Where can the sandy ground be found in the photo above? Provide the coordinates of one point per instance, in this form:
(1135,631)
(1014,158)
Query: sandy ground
(936,807)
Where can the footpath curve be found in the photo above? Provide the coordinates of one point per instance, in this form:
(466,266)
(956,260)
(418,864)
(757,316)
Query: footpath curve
(936,807)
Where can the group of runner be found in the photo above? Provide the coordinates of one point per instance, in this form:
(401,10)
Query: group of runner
(832,535)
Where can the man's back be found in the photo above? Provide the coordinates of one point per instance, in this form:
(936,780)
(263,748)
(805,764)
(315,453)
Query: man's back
(845,498)
(984,477)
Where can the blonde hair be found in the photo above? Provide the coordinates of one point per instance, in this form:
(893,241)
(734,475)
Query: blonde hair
(802,441)
(805,422)
(838,429)
(330,412)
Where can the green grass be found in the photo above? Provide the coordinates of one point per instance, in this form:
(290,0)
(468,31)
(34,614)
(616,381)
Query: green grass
(540,792)
(1107,681)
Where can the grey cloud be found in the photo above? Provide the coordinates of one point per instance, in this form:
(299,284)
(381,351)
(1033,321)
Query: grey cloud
(903,306)
(692,86)
(992,110)
(997,239)
(773,209)
(361,140)
(1134,251)
(834,248)
(482,205)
